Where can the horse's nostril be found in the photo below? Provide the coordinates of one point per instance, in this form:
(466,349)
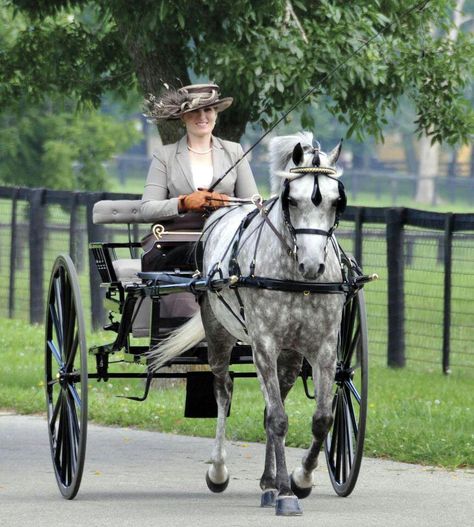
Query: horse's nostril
(321,269)
(301,267)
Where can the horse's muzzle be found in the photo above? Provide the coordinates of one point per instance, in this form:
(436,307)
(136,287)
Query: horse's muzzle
(309,273)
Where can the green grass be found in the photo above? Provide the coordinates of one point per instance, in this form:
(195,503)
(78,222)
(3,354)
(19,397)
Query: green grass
(415,415)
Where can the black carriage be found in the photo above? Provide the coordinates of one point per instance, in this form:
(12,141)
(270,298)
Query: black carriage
(143,303)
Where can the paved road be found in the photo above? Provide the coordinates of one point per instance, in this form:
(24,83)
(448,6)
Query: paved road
(135,478)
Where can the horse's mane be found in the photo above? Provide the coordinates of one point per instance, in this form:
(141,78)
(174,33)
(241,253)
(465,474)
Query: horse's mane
(281,150)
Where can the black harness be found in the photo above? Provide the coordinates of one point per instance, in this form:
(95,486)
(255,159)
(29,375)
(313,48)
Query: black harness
(262,209)
(316,198)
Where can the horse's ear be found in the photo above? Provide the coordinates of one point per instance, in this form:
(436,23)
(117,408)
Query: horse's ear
(297,154)
(334,154)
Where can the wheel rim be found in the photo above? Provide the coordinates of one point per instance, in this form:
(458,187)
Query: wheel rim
(66,376)
(345,442)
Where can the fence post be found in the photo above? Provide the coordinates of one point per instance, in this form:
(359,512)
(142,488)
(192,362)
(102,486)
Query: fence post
(359,219)
(36,240)
(396,301)
(448,252)
(13,246)
(95,233)
(73,228)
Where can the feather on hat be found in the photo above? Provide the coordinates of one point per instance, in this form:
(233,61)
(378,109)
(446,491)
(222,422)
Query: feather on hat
(172,103)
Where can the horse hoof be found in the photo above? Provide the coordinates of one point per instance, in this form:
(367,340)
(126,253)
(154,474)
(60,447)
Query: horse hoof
(300,492)
(268,498)
(288,506)
(216,487)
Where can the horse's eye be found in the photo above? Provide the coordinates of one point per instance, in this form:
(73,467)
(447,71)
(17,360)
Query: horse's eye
(335,203)
(292,202)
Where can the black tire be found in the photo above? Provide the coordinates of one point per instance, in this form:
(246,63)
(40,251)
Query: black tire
(344,444)
(66,376)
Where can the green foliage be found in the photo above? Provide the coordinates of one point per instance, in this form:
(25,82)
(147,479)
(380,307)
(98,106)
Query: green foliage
(362,57)
(61,150)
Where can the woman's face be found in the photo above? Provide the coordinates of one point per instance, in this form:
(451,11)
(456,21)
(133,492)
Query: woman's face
(200,122)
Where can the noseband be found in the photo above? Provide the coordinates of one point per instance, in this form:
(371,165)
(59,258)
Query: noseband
(316,198)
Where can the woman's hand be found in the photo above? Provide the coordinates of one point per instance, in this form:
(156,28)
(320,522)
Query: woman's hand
(201,200)
(216,200)
(196,202)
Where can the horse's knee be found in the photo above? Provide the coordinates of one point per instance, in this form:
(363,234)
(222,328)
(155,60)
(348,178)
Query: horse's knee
(321,426)
(277,423)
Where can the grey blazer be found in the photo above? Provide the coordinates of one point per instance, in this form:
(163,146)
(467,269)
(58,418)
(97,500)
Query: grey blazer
(170,176)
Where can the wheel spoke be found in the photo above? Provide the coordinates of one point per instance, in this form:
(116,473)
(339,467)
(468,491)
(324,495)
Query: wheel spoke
(349,430)
(349,327)
(73,429)
(350,407)
(54,414)
(353,390)
(75,395)
(72,352)
(56,353)
(340,440)
(70,330)
(351,347)
(56,325)
(335,428)
(57,313)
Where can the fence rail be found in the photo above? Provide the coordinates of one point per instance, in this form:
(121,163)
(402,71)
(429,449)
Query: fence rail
(420,311)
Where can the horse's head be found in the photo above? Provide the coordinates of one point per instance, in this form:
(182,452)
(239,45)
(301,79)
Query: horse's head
(311,200)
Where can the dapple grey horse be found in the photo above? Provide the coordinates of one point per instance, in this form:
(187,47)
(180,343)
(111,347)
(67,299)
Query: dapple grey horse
(282,327)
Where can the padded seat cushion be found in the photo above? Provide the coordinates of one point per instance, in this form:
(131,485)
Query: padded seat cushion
(126,269)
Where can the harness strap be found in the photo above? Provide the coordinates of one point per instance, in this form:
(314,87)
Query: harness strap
(228,306)
(314,231)
(292,251)
(294,286)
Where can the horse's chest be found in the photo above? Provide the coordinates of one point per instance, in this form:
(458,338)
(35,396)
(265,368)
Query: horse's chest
(293,316)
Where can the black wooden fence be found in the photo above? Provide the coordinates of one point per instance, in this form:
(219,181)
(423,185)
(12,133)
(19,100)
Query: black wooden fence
(420,311)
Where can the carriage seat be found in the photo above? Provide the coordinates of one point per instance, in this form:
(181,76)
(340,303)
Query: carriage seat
(178,306)
(117,211)
(126,270)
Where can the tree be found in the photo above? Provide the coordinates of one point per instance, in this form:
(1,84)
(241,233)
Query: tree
(266,54)
(60,149)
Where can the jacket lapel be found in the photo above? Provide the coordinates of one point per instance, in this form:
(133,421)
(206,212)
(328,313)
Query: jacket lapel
(183,165)
(218,159)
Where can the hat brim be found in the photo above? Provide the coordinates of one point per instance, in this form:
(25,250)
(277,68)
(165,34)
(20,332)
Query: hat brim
(219,105)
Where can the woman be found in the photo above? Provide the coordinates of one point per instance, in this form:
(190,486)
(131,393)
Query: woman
(181,173)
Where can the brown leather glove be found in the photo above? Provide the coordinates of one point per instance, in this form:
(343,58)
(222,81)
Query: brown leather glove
(195,202)
(216,200)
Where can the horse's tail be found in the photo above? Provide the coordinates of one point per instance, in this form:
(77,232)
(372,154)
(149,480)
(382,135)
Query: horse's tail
(185,337)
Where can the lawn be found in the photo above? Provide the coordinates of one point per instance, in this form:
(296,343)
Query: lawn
(416,414)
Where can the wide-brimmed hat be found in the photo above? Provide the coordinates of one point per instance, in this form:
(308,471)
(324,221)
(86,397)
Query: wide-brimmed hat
(172,104)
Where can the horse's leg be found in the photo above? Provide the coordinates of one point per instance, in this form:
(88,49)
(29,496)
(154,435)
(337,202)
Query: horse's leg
(265,359)
(220,343)
(302,478)
(289,366)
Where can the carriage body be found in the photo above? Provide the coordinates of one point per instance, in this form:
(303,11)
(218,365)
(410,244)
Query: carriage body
(150,305)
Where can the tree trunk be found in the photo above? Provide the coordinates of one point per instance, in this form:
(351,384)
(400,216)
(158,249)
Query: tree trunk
(410,153)
(428,171)
(231,124)
(471,163)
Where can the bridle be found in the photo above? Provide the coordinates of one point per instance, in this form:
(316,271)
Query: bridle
(316,198)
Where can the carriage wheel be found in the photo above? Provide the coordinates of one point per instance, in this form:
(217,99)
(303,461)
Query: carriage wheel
(345,443)
(66,376)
